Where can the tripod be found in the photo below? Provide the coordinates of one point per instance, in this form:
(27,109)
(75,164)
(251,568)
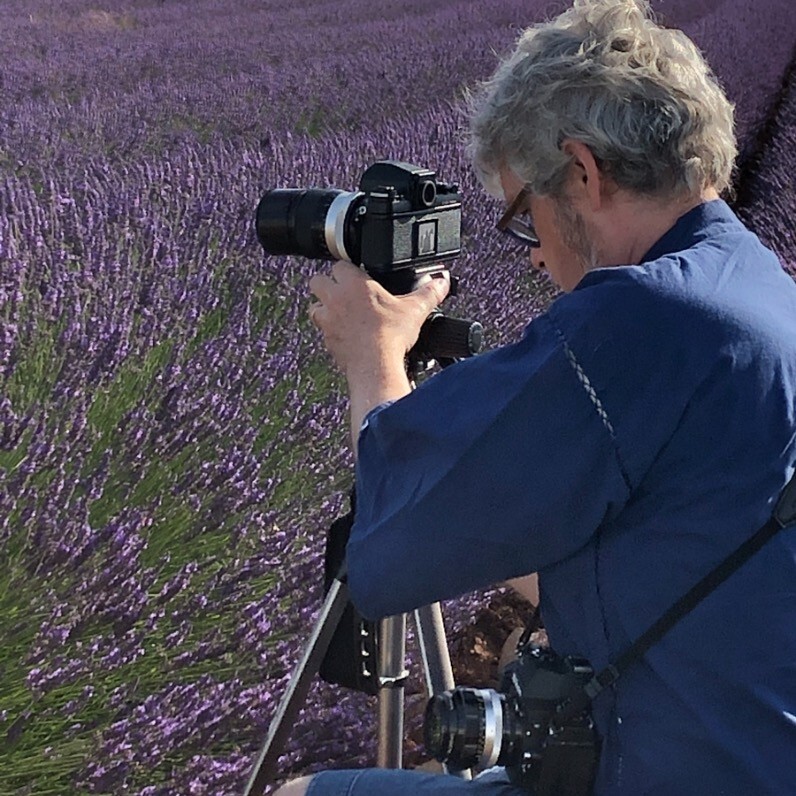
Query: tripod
(392,677)
(443,340)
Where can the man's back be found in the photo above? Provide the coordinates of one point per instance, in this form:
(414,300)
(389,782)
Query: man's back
(700,394)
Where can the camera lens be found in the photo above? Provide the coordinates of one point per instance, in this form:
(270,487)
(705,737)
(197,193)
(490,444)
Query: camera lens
(309,222)
(468,727)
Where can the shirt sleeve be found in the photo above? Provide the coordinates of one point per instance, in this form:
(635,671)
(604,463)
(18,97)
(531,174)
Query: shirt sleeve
(496,467)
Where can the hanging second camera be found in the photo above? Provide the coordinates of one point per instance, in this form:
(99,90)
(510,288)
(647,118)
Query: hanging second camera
(518,726)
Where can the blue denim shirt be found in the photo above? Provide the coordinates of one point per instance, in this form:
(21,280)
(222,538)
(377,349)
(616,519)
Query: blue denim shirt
(640,430)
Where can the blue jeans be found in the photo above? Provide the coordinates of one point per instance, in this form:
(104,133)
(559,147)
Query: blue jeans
(397,782)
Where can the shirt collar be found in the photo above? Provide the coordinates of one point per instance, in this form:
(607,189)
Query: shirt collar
(700,222)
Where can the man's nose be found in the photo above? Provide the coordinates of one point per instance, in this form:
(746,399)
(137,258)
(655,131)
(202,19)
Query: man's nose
(537,261)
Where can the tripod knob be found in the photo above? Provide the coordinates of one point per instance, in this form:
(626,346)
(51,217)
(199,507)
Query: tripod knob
(442,337)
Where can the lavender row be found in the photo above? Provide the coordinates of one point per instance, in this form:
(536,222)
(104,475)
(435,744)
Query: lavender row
(155,75)
(767,201)
(156,78)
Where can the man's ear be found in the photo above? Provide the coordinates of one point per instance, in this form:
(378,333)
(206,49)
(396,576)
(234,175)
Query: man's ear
(587,180)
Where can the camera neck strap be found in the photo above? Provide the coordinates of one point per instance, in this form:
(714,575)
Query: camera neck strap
(783,516)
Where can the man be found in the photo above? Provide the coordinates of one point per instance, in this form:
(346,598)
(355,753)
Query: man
(641,429)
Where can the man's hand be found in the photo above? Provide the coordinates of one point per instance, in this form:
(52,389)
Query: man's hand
(363,325)
(369,331)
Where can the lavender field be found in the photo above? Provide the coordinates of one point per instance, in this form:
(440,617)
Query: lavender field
(173,440)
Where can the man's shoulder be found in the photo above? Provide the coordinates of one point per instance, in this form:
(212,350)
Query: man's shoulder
(623,301)
(705,286)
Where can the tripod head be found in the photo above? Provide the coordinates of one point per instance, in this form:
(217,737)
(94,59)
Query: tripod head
(444,340)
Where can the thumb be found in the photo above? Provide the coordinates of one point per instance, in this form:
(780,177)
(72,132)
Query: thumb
(435,289)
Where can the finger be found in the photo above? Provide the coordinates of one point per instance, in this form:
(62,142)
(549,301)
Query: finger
(342,271)
(321,286)
(317,312)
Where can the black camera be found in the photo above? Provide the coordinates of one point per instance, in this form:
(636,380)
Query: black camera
(523,726)
(398,225)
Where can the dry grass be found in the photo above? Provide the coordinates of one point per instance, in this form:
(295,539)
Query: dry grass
(93,19)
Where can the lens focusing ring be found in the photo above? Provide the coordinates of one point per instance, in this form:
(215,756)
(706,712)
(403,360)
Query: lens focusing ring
(493,726)
(335,224)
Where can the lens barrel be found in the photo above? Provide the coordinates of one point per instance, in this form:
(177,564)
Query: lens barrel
(468,727)
(310,222)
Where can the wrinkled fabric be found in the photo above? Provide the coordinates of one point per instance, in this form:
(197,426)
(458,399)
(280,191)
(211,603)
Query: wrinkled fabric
(639,431)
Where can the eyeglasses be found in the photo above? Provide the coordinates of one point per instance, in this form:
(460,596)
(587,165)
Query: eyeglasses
(518,228)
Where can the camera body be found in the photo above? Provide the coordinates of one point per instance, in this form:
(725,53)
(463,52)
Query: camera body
(399,225)
(518,727)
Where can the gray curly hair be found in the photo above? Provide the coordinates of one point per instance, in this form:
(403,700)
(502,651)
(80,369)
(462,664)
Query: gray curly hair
(640,96)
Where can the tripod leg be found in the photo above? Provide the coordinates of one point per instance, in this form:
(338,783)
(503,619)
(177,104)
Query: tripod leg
(392,676)
(332,609)
(436,658)
(434,649)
